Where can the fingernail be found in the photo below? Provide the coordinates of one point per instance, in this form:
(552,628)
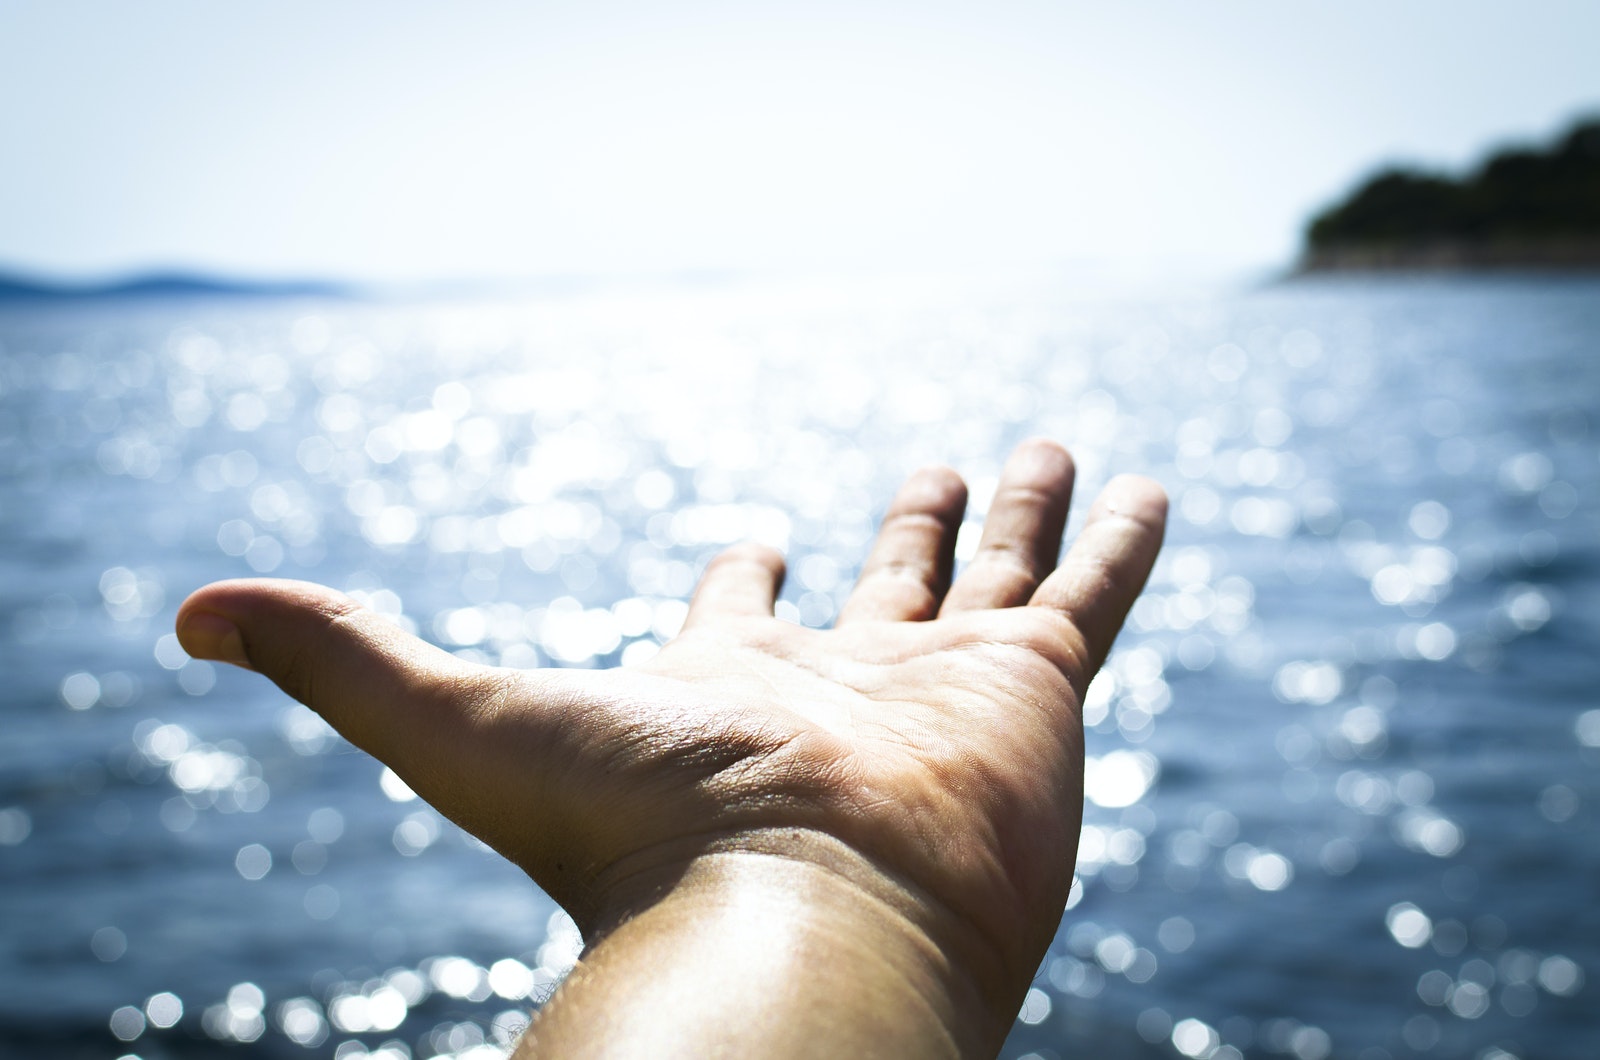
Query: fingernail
(208,636)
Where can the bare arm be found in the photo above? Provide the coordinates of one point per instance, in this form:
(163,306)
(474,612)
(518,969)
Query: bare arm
(777,840)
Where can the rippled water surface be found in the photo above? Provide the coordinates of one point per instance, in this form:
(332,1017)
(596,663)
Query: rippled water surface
(1345,763)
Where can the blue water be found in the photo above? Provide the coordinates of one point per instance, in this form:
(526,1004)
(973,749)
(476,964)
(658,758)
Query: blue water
(1347,766)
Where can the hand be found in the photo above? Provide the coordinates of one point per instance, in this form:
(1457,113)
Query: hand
(915,772)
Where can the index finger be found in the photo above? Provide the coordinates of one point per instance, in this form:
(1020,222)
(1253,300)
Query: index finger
(1107,566)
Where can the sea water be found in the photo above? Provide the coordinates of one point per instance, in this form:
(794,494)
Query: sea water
(1344,763)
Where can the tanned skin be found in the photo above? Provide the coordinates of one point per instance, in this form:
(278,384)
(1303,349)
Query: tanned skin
(777,841)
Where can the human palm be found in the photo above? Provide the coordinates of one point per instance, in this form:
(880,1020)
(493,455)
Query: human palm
(934,732)
(906,741)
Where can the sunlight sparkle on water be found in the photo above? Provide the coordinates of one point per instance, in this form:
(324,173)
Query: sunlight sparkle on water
(1363,534)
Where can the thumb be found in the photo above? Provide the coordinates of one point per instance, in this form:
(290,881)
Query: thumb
(388,692)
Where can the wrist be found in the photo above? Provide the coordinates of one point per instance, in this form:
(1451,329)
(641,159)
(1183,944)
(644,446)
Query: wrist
(794,920)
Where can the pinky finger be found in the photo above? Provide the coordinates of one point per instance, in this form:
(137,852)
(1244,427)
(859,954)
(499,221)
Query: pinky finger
(1107,566)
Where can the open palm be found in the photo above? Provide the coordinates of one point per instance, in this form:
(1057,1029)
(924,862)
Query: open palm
(934,731)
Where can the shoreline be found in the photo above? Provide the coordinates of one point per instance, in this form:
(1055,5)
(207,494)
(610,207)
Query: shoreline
(1578,254)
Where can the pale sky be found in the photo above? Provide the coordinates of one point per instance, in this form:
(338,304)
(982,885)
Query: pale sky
(413,141)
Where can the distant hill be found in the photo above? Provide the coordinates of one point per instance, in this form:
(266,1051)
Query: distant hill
(18,288)
(1523,207)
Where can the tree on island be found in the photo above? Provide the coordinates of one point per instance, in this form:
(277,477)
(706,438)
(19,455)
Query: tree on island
(1521,207)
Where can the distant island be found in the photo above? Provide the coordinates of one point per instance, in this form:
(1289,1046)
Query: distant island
(1522,208)
(20,288)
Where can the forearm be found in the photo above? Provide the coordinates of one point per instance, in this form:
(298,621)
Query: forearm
(769,954)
